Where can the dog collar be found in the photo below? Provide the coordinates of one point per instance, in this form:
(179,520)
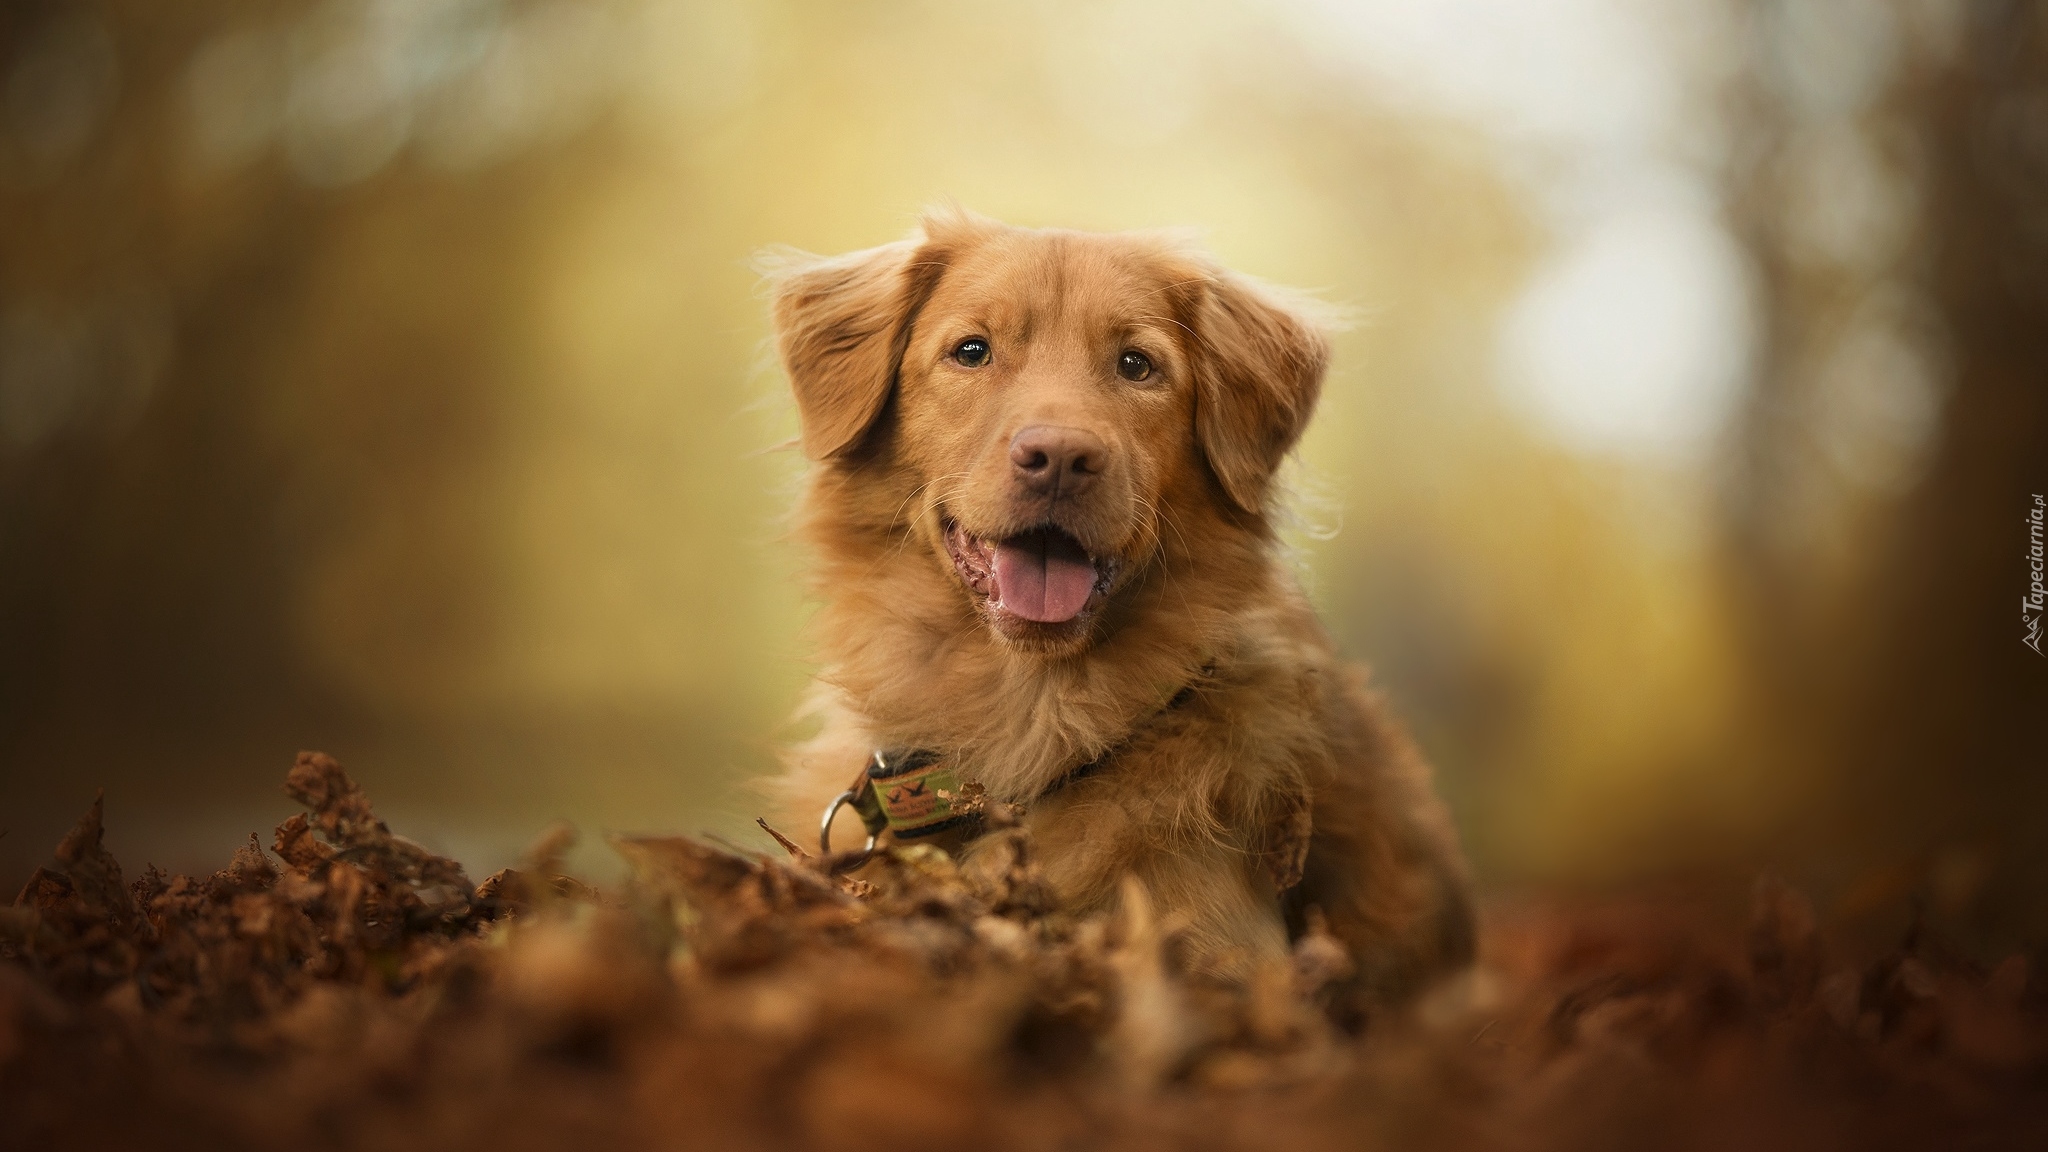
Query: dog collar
(914,793)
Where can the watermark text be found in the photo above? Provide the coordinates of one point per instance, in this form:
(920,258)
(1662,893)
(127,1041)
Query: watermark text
(2036,599)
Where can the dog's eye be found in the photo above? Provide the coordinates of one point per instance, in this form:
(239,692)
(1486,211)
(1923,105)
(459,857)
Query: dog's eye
(1134,365)
(971,352)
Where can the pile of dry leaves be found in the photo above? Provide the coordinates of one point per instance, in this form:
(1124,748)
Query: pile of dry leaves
(353,990)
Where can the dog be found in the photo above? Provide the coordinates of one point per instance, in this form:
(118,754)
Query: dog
(1042,502)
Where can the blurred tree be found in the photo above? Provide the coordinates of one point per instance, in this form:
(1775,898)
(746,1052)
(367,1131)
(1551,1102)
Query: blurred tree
(1898,430)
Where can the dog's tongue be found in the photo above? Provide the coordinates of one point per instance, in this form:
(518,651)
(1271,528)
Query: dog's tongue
(1043,576)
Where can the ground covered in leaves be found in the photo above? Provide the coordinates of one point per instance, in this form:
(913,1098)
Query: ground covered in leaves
(349,989)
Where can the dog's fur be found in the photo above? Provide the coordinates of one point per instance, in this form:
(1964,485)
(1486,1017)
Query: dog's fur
(1279,783)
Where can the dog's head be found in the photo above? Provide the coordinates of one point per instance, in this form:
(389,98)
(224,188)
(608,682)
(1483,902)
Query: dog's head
(1051,402)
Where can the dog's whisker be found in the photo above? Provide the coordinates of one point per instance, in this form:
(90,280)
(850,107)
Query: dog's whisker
(909,531)
(939,498)
(1159,511)
(896,517)
(1168,320)
(1205,278)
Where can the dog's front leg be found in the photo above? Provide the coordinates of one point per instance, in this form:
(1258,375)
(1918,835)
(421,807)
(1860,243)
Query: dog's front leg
(1212,897)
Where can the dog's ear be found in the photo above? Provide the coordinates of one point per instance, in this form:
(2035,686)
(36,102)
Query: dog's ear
(1258,370)
(841,325)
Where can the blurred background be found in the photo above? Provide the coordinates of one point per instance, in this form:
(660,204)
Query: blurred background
(387,377)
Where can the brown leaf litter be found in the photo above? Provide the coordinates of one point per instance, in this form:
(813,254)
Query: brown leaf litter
(351,989)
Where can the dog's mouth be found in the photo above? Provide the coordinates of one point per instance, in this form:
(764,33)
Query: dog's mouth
(1043,575)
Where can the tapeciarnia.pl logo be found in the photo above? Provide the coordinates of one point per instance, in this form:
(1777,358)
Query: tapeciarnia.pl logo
(2037,597)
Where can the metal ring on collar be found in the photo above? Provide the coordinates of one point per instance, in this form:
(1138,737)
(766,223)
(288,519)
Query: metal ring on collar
(825,834)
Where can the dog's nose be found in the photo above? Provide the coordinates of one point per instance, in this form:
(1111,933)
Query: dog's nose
(1052,461)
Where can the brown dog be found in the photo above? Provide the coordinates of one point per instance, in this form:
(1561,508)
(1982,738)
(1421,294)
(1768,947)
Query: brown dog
(1042,510)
